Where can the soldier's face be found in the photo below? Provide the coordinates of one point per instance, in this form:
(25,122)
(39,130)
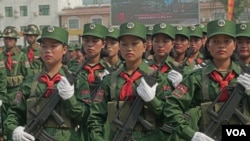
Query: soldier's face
(149,42)
(221,46)
(181,44)
(162,44)
(112,46)
(31,39)
(52,51)
(243,46)
(195,43)
(132,48)
(9,42)
(92,46)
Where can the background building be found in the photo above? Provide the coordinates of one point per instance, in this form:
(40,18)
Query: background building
(20,13)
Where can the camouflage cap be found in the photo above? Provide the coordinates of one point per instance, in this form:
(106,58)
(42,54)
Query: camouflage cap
(221,27)
(10,31)
(56,33)
(164,28)
(31,29)
(112,32)
(195,31)
(133,28)
(243,29)
(71,47)
(149,30)
(78,47)
(182,30)
(93,29)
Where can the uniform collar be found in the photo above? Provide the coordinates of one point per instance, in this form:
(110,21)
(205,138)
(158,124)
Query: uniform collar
(61,70)
(236,68)
(14,51)
(143,67)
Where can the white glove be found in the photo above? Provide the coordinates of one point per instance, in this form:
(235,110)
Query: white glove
(146,92)
(106,72)
(19,135)
(197,67)
(198,136)
(244,80)
(66,90)
(175,77)
(1,103)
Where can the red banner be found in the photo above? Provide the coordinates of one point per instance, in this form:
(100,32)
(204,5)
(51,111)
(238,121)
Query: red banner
(230,7)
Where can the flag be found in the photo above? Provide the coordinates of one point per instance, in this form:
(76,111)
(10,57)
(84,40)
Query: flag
(230,7)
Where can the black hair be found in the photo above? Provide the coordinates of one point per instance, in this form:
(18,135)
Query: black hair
(207,54)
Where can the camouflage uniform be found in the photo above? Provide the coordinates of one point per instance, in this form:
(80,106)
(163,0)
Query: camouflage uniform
(19,67)
(35,61)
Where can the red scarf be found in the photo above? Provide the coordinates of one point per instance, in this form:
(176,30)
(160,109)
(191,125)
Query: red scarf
(9,60)
(91,70)
(127,90)
(223,83)
(199,60)
(164,68)
(50,83)
(31,54)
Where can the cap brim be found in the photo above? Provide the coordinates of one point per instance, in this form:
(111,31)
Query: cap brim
(224,33)
(91,34)
(130,35)
(51,37)
(243,35)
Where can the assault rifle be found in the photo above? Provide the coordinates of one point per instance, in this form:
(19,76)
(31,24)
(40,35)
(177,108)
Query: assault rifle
(35,126)
(227,110)
(125,128)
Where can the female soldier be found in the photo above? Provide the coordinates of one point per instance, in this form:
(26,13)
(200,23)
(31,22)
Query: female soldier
(126,86)
(192,93)
(78,59)
(149,52)
(163,41)
(113,61)
(93,67)
(181,51)
(38,89)
(196,43)
(243,43)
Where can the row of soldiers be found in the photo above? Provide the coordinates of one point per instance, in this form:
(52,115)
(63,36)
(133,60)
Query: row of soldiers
(163,65)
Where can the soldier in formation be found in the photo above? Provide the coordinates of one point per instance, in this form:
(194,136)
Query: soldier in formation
(39,89)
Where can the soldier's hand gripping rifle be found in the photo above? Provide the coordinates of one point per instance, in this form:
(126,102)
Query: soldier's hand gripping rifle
(35,126)
(124,129)
(227,110)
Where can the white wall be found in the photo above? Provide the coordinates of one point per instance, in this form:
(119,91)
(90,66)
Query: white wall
(33,13)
